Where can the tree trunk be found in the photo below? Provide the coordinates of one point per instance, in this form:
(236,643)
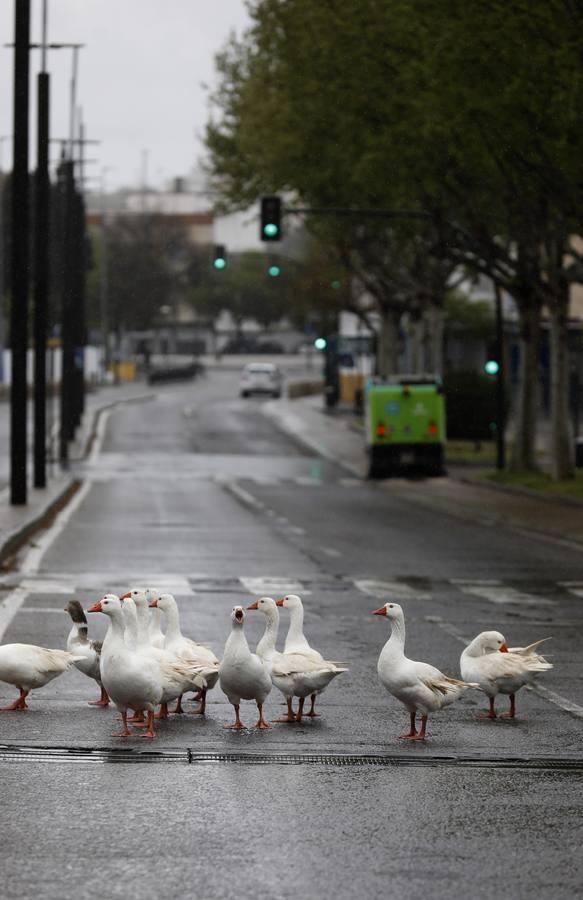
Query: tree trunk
(435,316)
(416,336)
(524,448)
(562,451)
(388,343)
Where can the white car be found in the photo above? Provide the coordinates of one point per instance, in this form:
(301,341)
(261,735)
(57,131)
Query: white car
(261,378)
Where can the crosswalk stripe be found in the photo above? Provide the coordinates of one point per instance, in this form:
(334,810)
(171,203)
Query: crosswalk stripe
(502,595)
(394,590)
(272,585)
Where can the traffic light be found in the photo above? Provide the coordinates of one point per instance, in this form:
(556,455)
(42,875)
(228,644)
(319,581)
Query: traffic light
(274,271)
(320,343)
(220,257)
(492,364)
(270,219)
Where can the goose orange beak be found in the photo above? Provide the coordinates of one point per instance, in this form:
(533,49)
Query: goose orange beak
(153,604)
(279,602)
(126,596)
(381,611)
(504,648)
(96,607)
(253,605)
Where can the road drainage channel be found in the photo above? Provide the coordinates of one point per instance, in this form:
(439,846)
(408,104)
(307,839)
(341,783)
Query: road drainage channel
(31,754)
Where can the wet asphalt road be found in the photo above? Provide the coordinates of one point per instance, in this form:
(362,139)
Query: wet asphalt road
(199,493)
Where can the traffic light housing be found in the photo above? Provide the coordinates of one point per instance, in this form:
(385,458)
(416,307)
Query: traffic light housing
(220,257)
(270,228)
(492,362)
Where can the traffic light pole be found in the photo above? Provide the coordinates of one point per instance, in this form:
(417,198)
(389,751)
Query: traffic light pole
(500,392)
(41,280)
(19,259)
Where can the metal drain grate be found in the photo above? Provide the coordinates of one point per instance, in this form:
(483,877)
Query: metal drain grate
(104,756)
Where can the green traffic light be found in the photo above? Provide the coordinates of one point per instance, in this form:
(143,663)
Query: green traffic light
(270,230)
(219,263)
(491,367)
(320,343)
(274,271)
(336,285)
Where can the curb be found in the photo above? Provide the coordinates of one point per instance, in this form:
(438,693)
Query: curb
(517,490)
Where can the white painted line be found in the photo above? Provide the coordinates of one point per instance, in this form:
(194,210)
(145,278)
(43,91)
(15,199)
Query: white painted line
(568,584)
(99,436)
(33,558)
(331,551)
(9,607)
(476,581)
(297,530)
(242,495)
(505,595)
(578,592)
(390,590)
(306,481)
(557,700)
(271,585)
(47,585)
(40,609)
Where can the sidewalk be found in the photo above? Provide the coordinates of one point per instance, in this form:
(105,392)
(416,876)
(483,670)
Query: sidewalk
(18,522)
(460,493)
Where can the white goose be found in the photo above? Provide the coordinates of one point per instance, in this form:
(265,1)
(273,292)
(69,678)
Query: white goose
(185,648)
(28,667)
(132,679)
(89,651)
(242,674)
(295,674)
(296,641)
(178,674)
(419,686)
(499,669)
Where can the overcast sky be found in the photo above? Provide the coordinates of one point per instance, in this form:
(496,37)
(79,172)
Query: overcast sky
(140,84)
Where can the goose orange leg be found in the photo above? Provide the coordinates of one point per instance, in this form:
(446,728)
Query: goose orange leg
(312,713)
(412,732)
(512,711)
(300,711)
(103,700)
(261,723)
(421,735)
(163,714)
(178,709)
(491,714)
(19,703)
(290,713)
(201,709)
(150,733)
(237,723)
(126,732)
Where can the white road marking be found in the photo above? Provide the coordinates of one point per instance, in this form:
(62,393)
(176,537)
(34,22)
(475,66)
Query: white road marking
(9,607)
(574,587)
(475,581)
(394,590)
(331,551)
(33,558)
(267,586)
(48,585)
(504,595)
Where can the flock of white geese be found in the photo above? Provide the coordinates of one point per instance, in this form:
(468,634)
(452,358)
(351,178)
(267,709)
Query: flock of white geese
(142,668)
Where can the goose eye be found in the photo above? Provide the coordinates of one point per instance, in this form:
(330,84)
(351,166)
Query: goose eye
(391,606)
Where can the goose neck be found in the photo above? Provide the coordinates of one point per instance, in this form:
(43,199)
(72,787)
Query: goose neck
(266,646)
(397,638)
(172,624)
(295,633)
